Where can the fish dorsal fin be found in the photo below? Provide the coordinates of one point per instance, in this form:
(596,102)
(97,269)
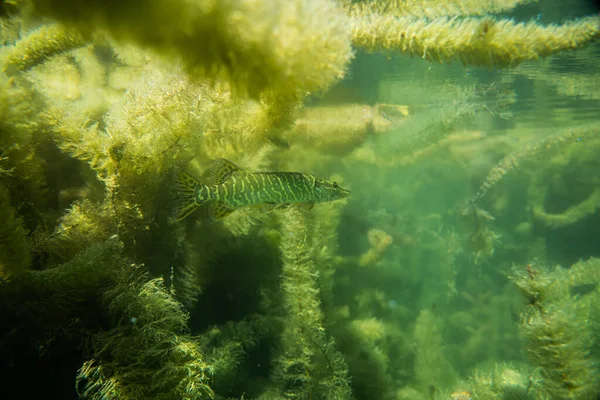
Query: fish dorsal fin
(218,210)
(220,170)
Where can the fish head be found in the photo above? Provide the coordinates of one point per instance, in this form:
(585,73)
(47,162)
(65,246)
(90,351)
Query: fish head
(326,190)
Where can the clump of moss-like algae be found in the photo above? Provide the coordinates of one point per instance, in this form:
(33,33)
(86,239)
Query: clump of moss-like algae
(555,324)
(147,355)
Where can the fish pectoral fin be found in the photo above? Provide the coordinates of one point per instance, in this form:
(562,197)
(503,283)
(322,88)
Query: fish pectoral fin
(220,170)
(306,206)
(218,210)
(265,208)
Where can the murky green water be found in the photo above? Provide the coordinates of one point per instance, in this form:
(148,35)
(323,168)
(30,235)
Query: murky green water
(462,266)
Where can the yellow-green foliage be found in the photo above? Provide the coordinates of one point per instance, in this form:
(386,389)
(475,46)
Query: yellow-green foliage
(39,46)
(410,142)
(80,83)
(10,23)
(21,167)
(308,364)
(188,278)
(337,129)
(150,125)
(576,213)
(474,41)
(281,47)
(555,324)
(56,309)
(441,8)
(555,179)
(124,91)
(200,246)
(84,224)
(163,120)
(584,273)
(432,368)
(228,347)
(375,353)
(504,382)
(535,148)
(22,171)
(147,354)
(155,126)
(239,130)
(14,248)
(88,271)
(324,249)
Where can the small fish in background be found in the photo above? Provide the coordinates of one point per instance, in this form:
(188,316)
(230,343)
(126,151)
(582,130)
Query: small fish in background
(231,188)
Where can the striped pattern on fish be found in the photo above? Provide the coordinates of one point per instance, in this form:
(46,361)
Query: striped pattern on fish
(231,188)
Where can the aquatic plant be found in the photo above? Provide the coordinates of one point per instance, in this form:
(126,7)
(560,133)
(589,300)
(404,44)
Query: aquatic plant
(147,353)
(340,129)
(533,149)
(85,223)
(122,95)
(39,46)
(505,382)
(578,206)
(14,248)
(425,132)
(555,326)
(432,368)
(379,241)
(308,363)
(474,41)
(286,48)
(22,172)
(49,315)
(376,353)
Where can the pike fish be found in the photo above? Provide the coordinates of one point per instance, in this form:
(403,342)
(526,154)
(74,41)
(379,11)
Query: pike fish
(229,188)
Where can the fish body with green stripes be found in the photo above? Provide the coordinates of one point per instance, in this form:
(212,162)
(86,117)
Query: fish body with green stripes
(230,188)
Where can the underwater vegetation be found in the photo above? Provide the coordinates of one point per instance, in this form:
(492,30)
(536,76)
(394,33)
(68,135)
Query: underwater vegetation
(138,262)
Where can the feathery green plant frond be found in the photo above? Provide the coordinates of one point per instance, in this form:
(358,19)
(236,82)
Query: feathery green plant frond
(147,355)
(558,336)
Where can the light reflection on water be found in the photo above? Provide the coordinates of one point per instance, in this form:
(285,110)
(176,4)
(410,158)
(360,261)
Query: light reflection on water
(554,93)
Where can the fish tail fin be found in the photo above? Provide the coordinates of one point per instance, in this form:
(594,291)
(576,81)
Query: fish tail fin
(186,195)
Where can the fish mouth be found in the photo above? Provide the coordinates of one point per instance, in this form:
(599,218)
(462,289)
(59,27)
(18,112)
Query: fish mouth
(343,193)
